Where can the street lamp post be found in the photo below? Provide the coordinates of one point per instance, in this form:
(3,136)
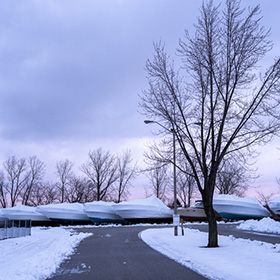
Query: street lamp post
(174,171)
(174,182)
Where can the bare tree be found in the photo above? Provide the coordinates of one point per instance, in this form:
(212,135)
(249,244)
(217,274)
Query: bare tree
(220,106)
(278,182)
(264,198)
(35,174)
(37,195)
(3,192)
(50,192)
(44,193)
(78,190)
(125,174)
(101,169)
(17,178)
(160,180)
(232,178)
(186,188)
(64,172)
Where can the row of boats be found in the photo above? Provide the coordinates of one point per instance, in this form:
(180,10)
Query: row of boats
(232,207)
(140,210)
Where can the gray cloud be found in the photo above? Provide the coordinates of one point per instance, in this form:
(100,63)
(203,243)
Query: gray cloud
(69,68)
(72,70)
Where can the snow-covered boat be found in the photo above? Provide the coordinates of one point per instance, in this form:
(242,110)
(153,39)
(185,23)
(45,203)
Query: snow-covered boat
(274,205)
(101,211)
(241,208)
(64,212)
(23,212)
(140,210)
(2,215)
(193,213)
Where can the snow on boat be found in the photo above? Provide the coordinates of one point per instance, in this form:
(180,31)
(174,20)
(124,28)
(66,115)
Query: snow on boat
(274,205)
(241,208)
(193,213)
(64,212)
(101,211)
(2,216)
(23,212)
(148,209)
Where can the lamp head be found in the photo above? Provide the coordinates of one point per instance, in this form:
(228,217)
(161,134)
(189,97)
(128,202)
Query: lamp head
(148,121)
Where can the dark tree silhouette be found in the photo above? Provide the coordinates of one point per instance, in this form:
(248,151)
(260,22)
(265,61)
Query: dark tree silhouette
(35,174)
(220,104)
(64,172)
(125,173)
(16,178)
(101,170)
(160,181)
(233,178)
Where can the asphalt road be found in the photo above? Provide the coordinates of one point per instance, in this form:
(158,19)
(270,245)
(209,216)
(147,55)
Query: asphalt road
(118,253)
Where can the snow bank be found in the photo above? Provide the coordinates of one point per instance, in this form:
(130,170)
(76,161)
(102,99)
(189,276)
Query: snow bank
(264,225)
(37,256)
(235,258)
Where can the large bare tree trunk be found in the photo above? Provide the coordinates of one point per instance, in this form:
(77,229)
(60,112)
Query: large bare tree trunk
(207,196)
(218,107)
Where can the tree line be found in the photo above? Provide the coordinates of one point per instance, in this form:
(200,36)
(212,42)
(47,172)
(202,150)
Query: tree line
(104,177)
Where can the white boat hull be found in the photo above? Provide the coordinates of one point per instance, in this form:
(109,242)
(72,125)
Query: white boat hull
(141,213)
(231,207)
(64,212)
(100,211)
(145,209)
(22,212)
(192,214)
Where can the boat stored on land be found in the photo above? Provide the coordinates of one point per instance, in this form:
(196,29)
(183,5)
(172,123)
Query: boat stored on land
(274,205)
(64,212)
(240,208)
(102,211)
(23,212)
(149,209)
(193,213)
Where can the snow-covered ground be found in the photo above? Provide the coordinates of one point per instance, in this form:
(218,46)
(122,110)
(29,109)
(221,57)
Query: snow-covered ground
(37,256)
(235,259)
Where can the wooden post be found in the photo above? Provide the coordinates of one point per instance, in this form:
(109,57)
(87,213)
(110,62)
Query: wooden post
(182,226)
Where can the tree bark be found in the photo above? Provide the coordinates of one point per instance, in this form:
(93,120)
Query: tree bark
(213,229)
(207,196)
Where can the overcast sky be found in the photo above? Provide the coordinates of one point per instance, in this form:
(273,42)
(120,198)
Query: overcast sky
(71,72)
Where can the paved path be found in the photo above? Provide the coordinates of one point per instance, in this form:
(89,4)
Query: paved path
(118,253)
